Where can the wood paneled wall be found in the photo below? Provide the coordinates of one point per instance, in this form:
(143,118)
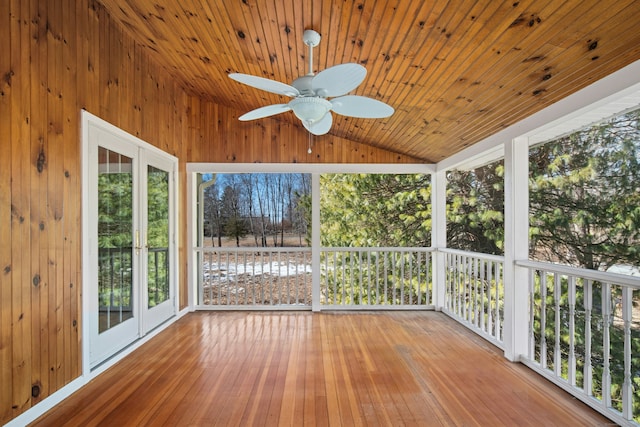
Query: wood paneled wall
(56,58)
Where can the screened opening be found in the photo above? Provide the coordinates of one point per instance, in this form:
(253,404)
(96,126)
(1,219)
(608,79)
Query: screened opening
(585,197)
(475,209)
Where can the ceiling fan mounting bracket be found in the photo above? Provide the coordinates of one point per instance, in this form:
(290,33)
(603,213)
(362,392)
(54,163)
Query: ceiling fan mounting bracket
(311,38)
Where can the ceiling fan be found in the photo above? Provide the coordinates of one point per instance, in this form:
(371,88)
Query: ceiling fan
(310,94)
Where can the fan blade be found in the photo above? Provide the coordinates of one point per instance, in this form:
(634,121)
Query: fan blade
(267,111)
(265,84)
(361,106)
(320,127)
(338,80)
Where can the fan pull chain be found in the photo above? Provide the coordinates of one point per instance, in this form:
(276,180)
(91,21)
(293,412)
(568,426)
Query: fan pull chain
(309,150)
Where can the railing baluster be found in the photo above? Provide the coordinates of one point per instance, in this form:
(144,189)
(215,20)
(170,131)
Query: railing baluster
(262,278)
(532,313)
(460,272)
(401,276)
(360,278)
(543,319)
(273,290)
(497,278)
(419,278)
(253,287)
(490,302)
(386,278)
(456,285)
(481,296)
(219,280)
(557,354)
(606,344)
(335,277)
(588,307)
(628,386)
(474,265)
(378,256)
(237,286)
(499,291)
(394,280)
(369,277)
(412,293)
(571,374)
(351,276)
(342,302)
(468,289)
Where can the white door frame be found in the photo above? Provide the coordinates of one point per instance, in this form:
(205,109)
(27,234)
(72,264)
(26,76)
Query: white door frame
(92,125)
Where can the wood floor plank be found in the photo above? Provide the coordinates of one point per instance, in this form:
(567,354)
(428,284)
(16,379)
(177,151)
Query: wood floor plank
(320,369)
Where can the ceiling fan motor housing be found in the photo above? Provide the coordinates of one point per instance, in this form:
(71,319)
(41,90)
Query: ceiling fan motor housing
(303,84)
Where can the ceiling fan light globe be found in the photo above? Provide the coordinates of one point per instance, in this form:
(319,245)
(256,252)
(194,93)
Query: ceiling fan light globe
(310,109)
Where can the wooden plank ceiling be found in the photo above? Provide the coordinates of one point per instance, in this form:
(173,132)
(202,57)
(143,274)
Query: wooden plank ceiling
(455,71)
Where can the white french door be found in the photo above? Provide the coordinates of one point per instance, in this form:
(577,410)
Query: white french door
(131,250)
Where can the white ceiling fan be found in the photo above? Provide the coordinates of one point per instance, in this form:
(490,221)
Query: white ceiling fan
(310,94)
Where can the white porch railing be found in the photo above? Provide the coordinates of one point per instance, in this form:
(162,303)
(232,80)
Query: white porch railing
(280,278)
(377,278)
(474,292)
(584,335)
(263,278)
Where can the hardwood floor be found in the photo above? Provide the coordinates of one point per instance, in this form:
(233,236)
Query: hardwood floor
(319,369)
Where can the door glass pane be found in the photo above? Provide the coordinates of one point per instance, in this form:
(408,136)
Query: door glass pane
(157,236)
(115,231)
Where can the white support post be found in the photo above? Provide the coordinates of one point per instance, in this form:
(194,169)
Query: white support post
(516,247)
(315,242)
(438,235)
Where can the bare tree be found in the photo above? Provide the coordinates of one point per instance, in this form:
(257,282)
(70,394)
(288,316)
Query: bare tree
(212,213)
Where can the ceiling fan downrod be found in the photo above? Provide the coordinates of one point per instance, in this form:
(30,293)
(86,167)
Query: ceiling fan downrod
(311,38)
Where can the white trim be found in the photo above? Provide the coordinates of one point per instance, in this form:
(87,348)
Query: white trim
(87,118)
(516,246)
(191,217)
(614,88)
(438,236)
(399,168)
(315,242)
(601,276)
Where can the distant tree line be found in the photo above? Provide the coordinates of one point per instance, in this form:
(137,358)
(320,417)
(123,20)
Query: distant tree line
(265,207)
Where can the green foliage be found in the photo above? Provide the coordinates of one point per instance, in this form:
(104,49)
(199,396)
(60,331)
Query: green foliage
(115,238)
(365,210)
(475,209)
(376,210)
(158,237)
(585,196)
(115,210)
(304,211)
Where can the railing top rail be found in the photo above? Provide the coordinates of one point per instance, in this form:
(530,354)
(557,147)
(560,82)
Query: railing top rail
(601,276)
(375,249)
(254,249)
(489,257)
